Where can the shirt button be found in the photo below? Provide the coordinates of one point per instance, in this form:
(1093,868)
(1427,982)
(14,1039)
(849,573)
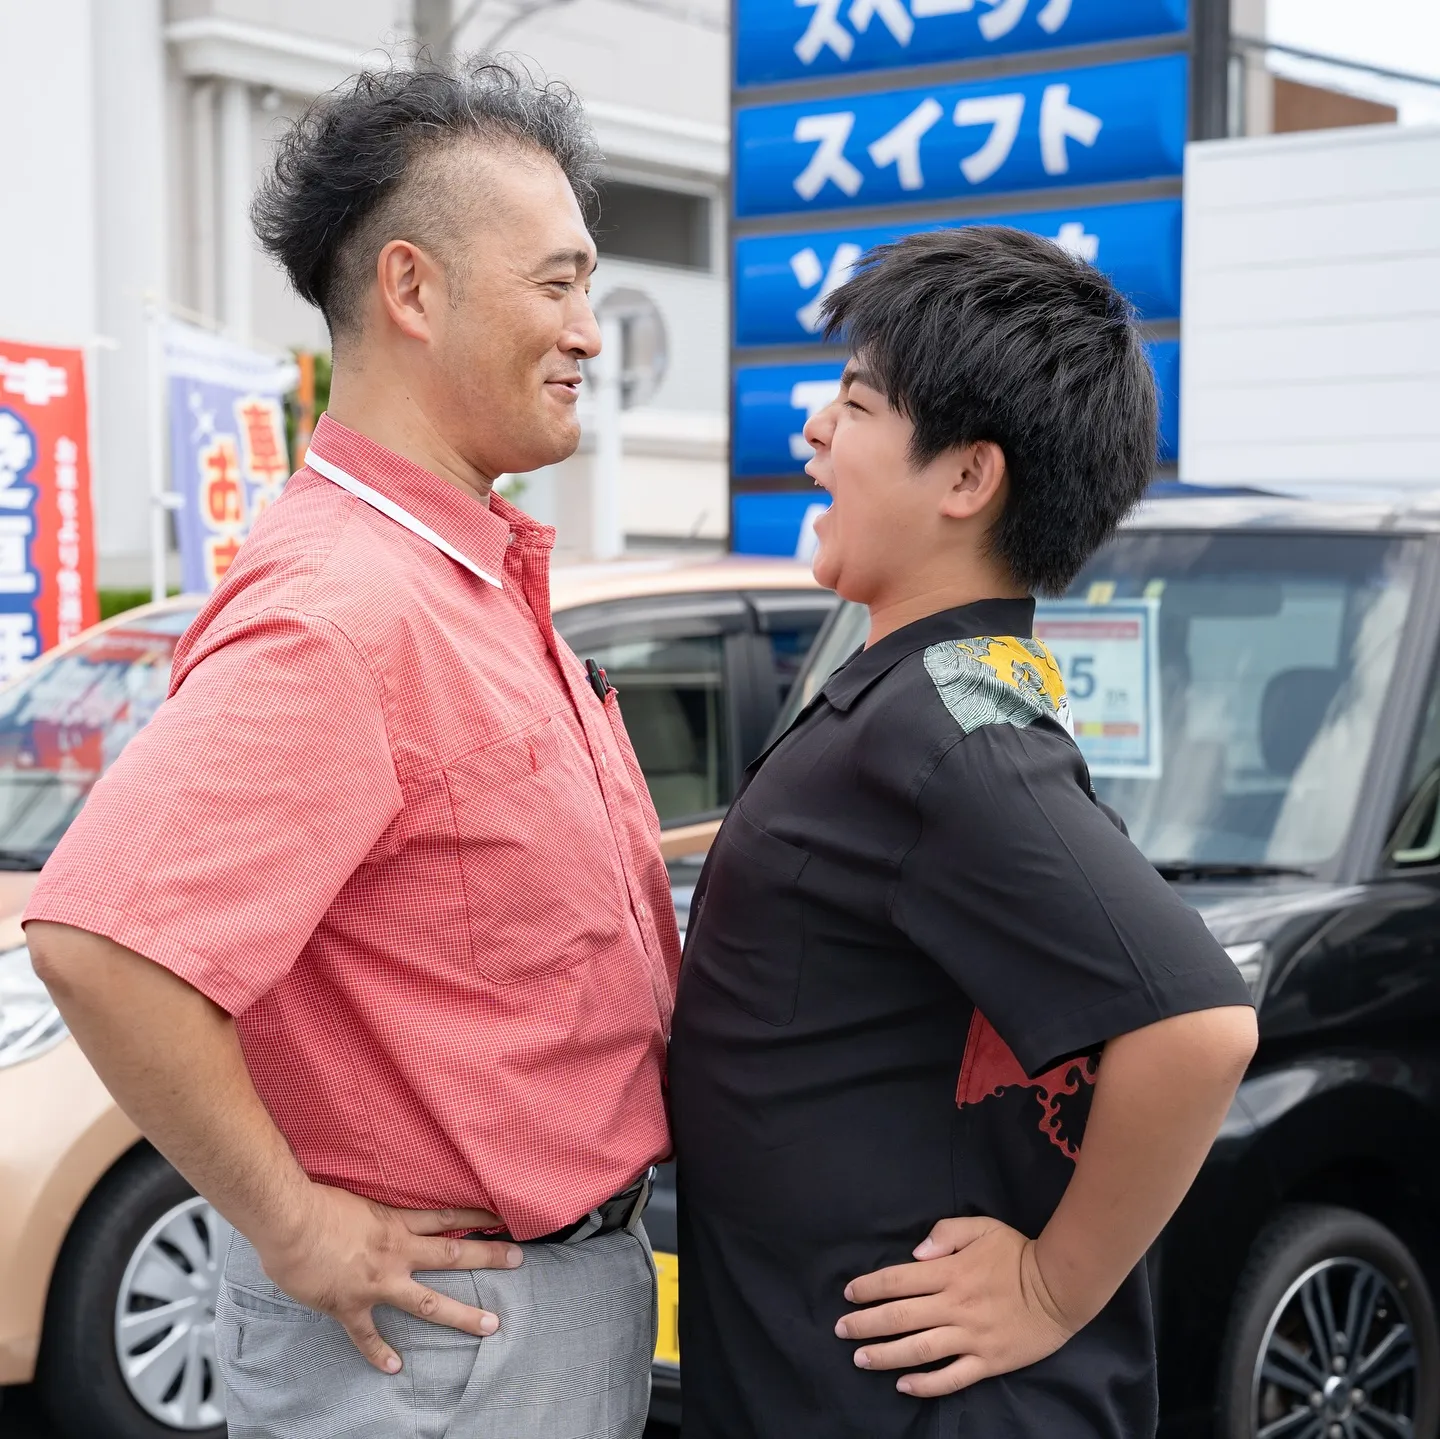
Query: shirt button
(604,762)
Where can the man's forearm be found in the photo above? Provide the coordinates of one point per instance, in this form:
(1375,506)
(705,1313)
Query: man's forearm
(1160,1097)
(172,1061)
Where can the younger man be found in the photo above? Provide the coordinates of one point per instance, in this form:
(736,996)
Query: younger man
(920,951)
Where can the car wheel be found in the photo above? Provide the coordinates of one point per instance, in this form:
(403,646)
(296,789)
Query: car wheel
(129,1344)
(1332,1335)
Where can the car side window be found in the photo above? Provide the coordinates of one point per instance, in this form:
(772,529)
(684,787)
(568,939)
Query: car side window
(788,621)
(1416,837)
(788,648)
(672,699)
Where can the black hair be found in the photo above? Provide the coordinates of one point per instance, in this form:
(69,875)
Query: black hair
(989,333)
(345,180)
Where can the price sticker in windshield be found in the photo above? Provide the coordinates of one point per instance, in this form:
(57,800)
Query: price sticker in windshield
(1107,654)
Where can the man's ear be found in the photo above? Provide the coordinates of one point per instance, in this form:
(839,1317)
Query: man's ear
(409,287)
(978,478)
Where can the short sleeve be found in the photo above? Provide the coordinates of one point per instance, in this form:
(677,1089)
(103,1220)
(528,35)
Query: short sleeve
(223,833)
(1057,928)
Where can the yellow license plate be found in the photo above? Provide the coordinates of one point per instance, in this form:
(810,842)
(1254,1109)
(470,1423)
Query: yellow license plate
(667,1340)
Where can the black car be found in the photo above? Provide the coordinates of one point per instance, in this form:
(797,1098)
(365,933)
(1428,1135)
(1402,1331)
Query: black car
(1267,721)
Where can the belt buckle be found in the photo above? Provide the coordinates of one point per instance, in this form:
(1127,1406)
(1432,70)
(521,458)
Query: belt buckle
(585,1227)
(637,1209)
(594,1222)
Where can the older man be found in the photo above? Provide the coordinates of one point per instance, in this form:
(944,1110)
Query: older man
(368,931)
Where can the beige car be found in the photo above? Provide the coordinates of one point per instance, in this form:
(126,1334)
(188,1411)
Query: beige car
(107,1257)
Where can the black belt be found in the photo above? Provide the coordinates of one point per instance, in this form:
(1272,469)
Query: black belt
(620,1211)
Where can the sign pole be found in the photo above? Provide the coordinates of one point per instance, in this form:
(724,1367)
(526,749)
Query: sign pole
(159,481)
(1209,69)
(607,537)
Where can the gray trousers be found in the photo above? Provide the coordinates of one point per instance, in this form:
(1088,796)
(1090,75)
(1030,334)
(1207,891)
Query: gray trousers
(571,1359)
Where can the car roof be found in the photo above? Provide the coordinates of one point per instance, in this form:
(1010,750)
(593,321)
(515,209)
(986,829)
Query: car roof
(1418,515)
(575,585)
(571,586)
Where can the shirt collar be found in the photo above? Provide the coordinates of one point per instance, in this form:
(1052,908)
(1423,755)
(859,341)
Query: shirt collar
(482,533)
(985,617)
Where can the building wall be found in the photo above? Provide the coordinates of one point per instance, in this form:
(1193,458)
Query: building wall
(1311,340)
(692,306)
(361,23)
(131,190)
(47,114)
(85,244)
(279,316)
(655,88)
(1254,99)
(619,54)
(134,178)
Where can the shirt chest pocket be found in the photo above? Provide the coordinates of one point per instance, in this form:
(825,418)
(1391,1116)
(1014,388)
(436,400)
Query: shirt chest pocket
(752,927)
(543,887)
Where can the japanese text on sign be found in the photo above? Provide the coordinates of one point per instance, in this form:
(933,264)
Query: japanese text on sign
(47,587)
(228,452)
(782,281)
(793,39)
(774,402)
(1076,127)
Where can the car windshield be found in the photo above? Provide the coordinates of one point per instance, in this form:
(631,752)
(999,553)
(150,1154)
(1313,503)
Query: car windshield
(63,723)
(1225,686)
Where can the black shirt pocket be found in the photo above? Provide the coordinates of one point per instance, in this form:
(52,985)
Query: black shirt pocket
(750,943)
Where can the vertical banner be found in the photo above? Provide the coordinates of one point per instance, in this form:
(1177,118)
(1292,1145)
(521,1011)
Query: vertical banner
(228,458)
(304,405)
(47,538)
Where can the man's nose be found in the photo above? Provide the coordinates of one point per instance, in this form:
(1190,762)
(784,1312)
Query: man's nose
(582,336)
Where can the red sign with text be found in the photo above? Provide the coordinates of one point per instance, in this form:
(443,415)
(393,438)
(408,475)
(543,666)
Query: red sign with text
(47,533)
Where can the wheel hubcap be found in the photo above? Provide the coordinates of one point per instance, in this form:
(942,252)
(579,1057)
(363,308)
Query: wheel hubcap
(1338,1360)
(165,1318)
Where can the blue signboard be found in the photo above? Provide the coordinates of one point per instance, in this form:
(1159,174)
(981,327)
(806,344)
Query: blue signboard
(1165,357)
(773,402)
(795,39)
(781,280)
(771,524)
(1059,128)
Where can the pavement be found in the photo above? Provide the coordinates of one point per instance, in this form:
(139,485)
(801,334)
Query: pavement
(19,1419)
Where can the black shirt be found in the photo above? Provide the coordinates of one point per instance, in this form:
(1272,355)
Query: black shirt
(912,937)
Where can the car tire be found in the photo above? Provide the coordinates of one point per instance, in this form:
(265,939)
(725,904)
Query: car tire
(142,1210)
(1315,1271)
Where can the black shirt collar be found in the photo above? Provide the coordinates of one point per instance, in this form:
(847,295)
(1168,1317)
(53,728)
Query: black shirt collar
(984,617)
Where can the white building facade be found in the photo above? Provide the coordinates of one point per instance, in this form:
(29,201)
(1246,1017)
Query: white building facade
(1311,336)
(139,128)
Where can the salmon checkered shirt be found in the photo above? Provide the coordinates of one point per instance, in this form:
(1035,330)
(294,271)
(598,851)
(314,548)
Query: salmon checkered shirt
(385,822)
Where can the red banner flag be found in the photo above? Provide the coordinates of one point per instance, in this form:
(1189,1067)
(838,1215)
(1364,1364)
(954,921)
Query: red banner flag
(47,536)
